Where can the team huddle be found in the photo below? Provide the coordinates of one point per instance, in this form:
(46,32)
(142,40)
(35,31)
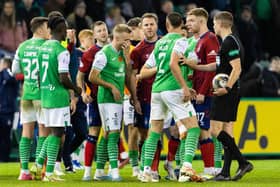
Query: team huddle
(139,79)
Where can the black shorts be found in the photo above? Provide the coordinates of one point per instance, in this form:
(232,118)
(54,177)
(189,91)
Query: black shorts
(224,108)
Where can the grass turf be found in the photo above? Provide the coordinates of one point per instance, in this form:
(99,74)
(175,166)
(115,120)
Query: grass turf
(265,173)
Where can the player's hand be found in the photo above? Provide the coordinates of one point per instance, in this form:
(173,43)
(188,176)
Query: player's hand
(126,47)
(116,94)
(73,105)
(200,99)
(193,93)
(220,92)
(138,77)
(137,106)
(86,98)
(188,61)
(187,94)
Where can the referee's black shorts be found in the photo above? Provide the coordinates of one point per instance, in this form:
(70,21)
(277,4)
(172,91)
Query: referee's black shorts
(224,108)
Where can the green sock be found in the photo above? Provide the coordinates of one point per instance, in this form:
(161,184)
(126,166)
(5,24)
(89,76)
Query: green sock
(24,152)
(217,153)
(52,150)
(133,157)
(191,144)
(101,153)
(43,153)
(113,149)
(177,156)
(182,151)
(142,156)
(40,142)
(150,148)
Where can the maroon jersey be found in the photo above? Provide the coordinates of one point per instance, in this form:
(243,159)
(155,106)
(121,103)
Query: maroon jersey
(85,67)
(206,50)
(138,56)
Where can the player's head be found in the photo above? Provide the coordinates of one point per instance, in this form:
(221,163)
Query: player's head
(58,27)
(135,26)
(100,31)
(86,38)
(173,21)
(121,35)
(39,26)
(196,18)
(149,24)
(54,13)
(5,63)
(222,21)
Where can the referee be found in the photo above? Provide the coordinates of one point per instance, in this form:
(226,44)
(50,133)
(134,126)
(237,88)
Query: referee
(225,103)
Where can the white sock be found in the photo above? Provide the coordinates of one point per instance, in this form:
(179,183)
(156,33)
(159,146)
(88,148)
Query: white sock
(87,171)
(49,174)
(25,171)
(57,166)
(187,164)
(115,173)
(99,172)
(209,170)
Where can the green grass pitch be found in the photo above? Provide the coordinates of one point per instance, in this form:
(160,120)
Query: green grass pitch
(266,173)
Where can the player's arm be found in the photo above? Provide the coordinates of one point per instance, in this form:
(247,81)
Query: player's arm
(235,72)
(63,69)
(99,63)
(179,49)
(193,64)
(16,69)
(149,69)
(232,52)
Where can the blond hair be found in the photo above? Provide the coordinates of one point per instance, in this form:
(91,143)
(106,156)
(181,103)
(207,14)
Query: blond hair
(199,12)
(121,28)
(225,18)
(85,33)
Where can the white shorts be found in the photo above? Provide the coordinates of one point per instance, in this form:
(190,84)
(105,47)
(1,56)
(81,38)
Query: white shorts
(128,113)
(57,117)
(167,120)
(172,100)
(31,111)
(111,116)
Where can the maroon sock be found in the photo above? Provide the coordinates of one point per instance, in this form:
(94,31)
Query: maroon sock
(173,145)
(207,152)
(156,160)
(90,149)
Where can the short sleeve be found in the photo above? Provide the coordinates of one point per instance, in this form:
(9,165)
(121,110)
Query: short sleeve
(100,61)
(232,48)
(63,62)
(180,46)
(151,62)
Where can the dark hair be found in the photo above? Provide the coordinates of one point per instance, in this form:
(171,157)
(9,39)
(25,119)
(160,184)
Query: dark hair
(134,22)
(8,21)
(175,19)
(97,23)
(54,21)
(54,13)
(36,22)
